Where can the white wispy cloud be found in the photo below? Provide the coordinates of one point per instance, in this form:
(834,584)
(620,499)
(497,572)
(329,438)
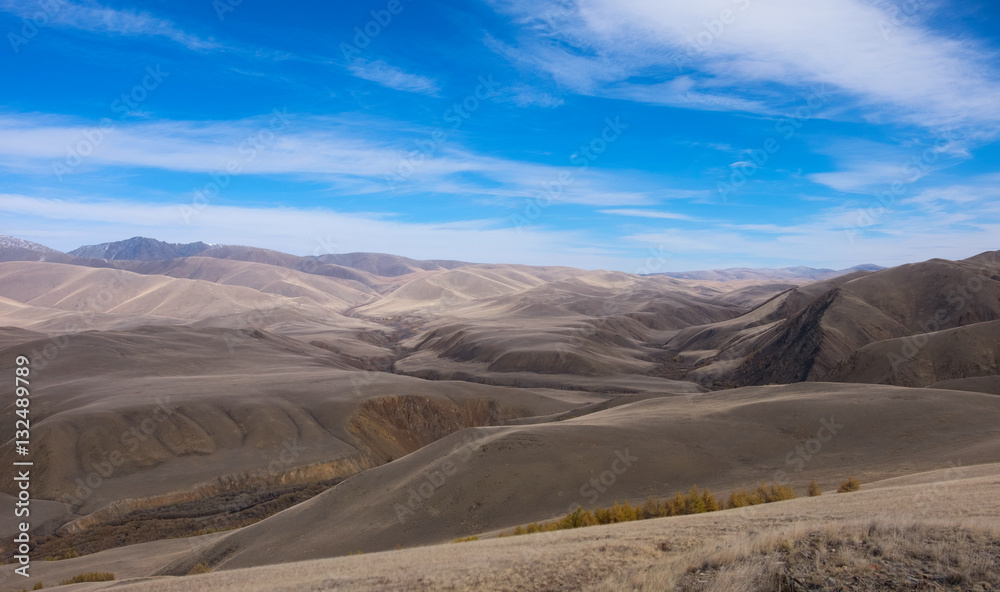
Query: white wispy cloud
(389,76)
(95,18)
(826,241)
(741,48)
(864,166)
(648,214)
(354,154)
(524,95)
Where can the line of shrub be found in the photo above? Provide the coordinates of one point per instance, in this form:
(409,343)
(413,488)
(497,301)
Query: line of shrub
(695,501)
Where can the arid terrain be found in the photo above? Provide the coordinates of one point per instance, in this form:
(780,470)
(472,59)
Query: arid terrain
(209,417)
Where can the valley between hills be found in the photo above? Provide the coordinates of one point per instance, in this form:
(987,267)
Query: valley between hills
(210,417)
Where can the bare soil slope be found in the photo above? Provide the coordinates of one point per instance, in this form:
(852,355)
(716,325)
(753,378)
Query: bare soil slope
(971,351)
(504,476)
(905,523)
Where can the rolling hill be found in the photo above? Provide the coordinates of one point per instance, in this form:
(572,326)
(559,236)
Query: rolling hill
(297,403)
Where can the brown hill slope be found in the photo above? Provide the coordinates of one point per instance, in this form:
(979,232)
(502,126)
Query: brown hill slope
(894,303)
(650,555)
(927,358)
(480,480)
(482,320)
(335,294)
(88,290)
(174,406)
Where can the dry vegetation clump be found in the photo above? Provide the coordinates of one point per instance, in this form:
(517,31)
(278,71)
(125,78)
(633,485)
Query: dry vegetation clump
(395,426)
(182,519)
(90,576)
(763,494)
(695,501)
(852,484)
(200,568)
(856,557)
(468,539)
(814,490)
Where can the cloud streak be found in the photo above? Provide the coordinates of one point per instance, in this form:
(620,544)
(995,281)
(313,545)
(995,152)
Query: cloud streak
(741,48)
(352,154)
(379,72)
(94,18)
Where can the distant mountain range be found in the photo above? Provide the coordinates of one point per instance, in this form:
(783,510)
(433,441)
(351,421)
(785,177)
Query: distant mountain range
(147,249)
(784,273)
(140,249)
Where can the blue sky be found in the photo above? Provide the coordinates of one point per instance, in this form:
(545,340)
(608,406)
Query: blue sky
(620,134)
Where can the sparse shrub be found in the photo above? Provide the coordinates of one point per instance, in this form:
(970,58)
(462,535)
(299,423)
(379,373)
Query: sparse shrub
(741,499)
(762,494)
(775,492)
(709,500)
(467,539)
(624,512)
(852,484)
(90,576)
(814,490)
(578,518)
(200,568)
(695,501)
(651,509)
